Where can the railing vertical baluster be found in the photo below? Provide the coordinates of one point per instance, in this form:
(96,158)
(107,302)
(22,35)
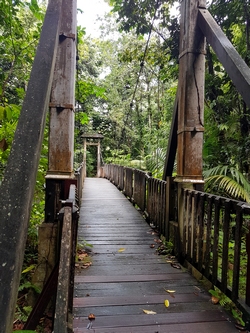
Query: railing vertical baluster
(208,236)
(226,223)
(195,227)
(185,223)
(157,195)
(149,197)
(162,207)
(216,240)
(237,248)
(165,200)
(248,267)
(201,231)
(189,225)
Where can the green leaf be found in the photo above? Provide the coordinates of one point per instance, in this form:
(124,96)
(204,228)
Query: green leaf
(84,119)
(28,269)
(2,112)
(8,113)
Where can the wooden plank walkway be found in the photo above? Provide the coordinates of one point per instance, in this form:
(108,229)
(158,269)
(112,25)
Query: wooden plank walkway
(127,275)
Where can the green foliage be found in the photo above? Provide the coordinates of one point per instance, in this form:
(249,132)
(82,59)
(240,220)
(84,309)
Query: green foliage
(227,304)
(166,247)
(22,313)
(28,285)
(133,113)
(228,181)
(138,14)
(155,163)
(227,139)
(20,26)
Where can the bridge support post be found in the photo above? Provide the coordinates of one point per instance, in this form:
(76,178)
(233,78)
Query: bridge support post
(190,126)
(92,140)
(85,156)
(61,123)
(60,172)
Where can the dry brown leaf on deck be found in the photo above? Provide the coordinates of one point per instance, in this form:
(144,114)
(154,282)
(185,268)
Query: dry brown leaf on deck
(87,265)
(82,256)
(157,240)
(149,312)
(215,300)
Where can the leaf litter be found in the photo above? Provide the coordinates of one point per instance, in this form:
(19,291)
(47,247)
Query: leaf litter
(149,312)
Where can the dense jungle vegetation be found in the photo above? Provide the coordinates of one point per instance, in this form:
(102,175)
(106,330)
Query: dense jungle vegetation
(125,89)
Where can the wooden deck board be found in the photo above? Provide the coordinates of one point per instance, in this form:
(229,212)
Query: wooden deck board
(220,327)
(127,275)
(159,319)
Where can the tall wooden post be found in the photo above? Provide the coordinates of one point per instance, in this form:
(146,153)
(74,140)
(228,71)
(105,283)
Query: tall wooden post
(61,137)
(61,124)
(191,101)
(85,156)
(98,158)
(92,140)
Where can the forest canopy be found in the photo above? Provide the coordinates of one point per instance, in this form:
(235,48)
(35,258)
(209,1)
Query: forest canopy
(126,82)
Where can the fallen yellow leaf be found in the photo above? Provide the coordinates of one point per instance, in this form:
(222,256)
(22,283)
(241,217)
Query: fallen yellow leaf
(169,291)
(122,249)
(166,303)
(149,312)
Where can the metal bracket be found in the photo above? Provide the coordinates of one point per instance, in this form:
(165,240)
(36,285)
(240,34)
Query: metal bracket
(61,106)
(194,51)
(69,35)
(191,129)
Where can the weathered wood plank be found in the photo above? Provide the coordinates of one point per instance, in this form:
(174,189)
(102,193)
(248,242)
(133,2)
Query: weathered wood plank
(130,278)
(145,249)
(127,310)
(139,288)
(142,299)
(159,319)
(222,327)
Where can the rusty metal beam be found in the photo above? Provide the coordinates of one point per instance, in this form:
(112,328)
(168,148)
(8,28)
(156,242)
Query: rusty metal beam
(20,177)
(235,66)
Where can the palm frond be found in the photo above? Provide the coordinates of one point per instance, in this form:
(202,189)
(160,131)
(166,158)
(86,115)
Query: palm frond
(229,180)
(155,162)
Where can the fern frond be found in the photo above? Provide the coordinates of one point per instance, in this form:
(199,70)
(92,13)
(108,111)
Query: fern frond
(229,180)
